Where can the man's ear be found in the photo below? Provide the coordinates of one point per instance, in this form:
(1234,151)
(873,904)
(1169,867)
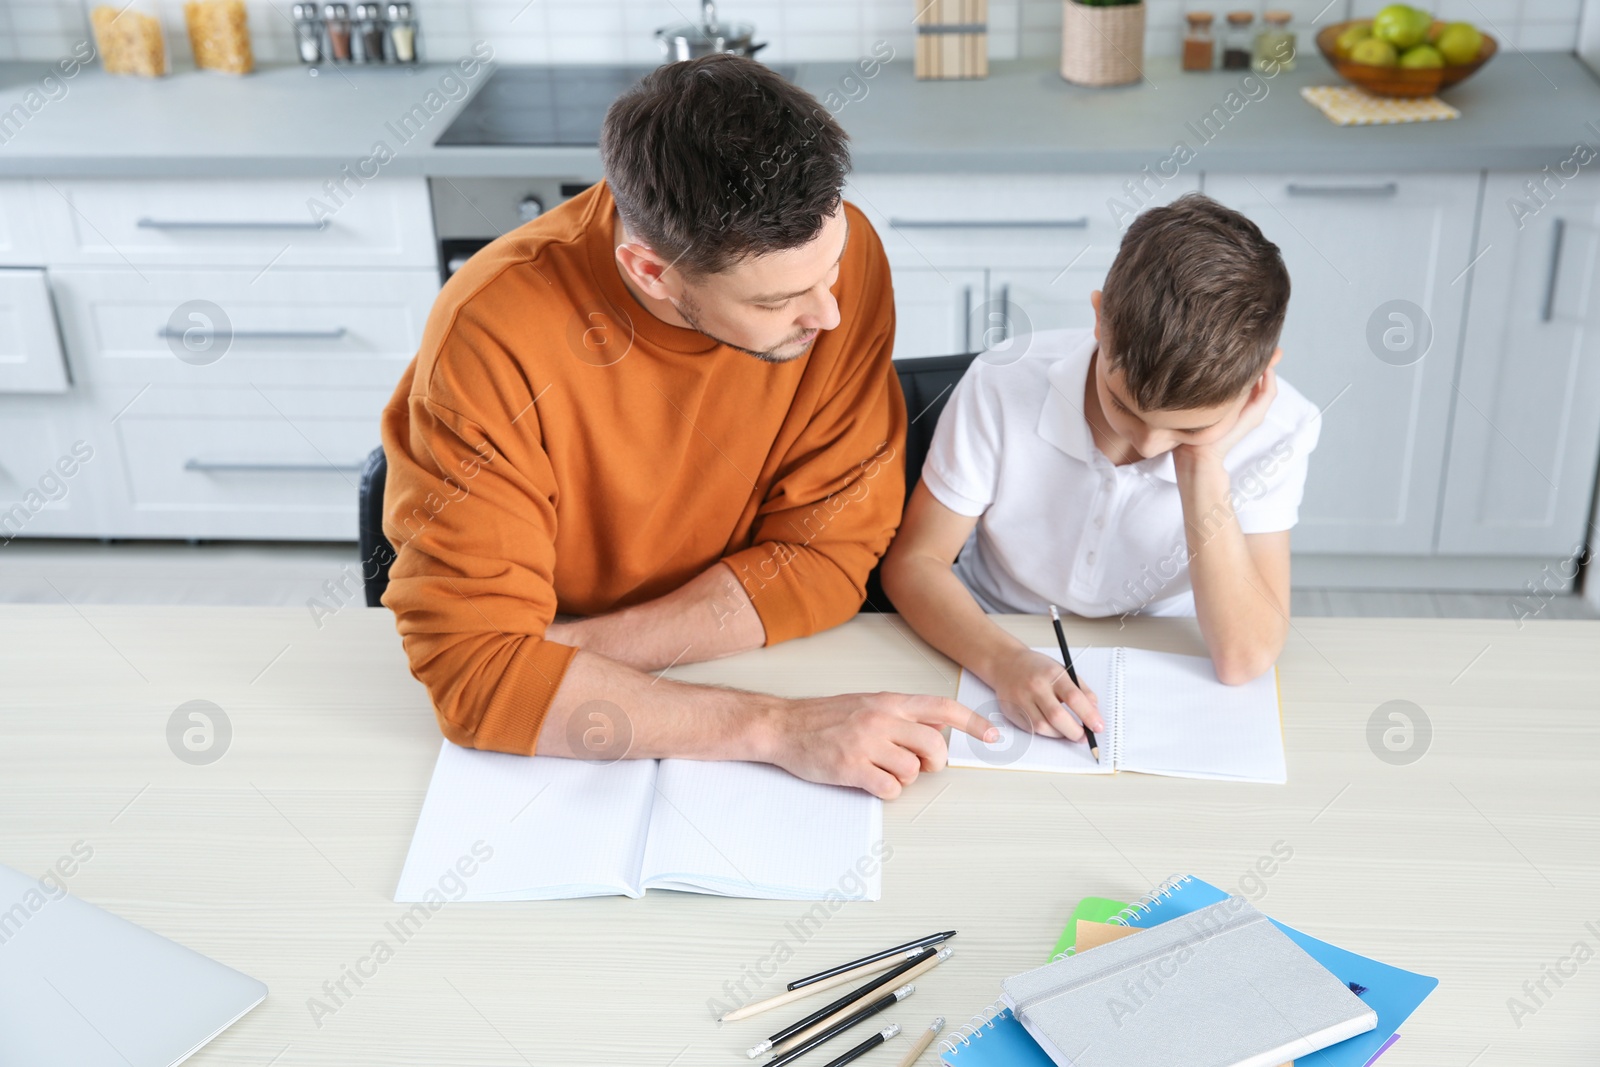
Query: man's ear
(645,270)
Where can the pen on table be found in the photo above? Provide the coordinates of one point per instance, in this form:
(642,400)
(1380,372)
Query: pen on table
(923,1042)
(921,942)
(917,971)
(914,957)
(792,995)
(866,1046)
(1066,660)
(842,1025)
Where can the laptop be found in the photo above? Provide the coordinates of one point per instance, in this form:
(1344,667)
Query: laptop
(82,987)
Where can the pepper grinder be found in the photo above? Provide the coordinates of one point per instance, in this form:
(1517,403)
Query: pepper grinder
(369,34)
(402,33)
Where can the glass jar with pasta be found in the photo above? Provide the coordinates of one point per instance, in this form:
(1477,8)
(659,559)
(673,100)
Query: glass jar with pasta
(219,34)
(129,37)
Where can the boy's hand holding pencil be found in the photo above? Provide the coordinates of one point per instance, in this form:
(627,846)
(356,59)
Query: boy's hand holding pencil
(1032,689)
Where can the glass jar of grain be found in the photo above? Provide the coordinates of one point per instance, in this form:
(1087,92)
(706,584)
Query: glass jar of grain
(219,33)
(129,37)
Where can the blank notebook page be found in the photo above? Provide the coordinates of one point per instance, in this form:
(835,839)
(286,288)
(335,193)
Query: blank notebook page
(755,830)
(1017,750)
(1178,719)
(558,827)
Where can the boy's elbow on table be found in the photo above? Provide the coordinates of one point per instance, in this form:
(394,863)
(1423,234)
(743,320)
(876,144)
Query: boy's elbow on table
(1245,664)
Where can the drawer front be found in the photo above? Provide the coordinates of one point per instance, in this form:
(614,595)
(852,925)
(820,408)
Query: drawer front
(335,328)
(52,467)
(245,463)
(1011,221)
(30,346)
(279,222)
(19,230)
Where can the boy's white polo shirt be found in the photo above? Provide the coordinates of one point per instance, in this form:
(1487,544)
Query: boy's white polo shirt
(1058,522)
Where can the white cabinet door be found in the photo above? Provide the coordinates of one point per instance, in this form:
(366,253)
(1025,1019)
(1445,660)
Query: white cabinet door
(1526,433)
(30,346)
(1025,301)
(19,227)
(1377,264)
(934,311)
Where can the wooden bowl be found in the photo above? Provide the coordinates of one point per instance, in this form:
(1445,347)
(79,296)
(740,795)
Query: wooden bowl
(1399,81)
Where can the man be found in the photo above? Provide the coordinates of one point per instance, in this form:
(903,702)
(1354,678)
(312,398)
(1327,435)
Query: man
(665,408)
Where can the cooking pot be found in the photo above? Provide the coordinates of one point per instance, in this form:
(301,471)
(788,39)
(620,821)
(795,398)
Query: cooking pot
(689,40)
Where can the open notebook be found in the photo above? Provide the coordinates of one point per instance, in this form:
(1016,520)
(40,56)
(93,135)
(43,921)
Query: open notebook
(1165,714)
(502,827)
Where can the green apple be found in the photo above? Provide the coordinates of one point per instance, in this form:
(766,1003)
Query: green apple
(1459,42)
(1374,53)
(1422,57)
(1351,36)
(1401,25)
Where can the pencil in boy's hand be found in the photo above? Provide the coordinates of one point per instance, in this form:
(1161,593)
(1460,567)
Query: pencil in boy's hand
(1066,660)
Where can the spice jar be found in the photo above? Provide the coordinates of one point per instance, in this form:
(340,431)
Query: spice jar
(1274,49)
(307,33)
(1236,42)
(370,34)
(336,27)
(402,34)
(129,38)
(219,35)
(1199,47)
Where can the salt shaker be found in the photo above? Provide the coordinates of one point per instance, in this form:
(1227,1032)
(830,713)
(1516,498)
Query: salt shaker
(307,33)
(402,33)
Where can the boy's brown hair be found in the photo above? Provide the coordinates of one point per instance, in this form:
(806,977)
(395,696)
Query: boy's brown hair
(1193,305)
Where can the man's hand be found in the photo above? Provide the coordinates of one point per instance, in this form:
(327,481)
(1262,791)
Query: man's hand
(1032,689)
(879,742)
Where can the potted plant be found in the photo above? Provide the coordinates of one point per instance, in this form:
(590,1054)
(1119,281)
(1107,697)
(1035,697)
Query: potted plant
(1102,41)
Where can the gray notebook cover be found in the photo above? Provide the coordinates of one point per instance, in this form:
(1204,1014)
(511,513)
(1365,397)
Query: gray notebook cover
(1219,987)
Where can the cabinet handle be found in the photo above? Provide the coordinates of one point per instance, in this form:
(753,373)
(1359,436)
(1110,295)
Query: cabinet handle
(1547,310)
(990,224)
(227,224)
(966,318)
(1005,313)
(1386,189)
(167,333)
(195,464)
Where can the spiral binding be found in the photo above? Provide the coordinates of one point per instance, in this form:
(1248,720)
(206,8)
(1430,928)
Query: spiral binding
(1070,950)
(973,1028)
(1161,892)
(1114,753)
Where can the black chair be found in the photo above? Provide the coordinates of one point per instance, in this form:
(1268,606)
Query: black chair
(925,382)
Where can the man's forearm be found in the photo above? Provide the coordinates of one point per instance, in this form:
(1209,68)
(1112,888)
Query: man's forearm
(708,617)
(607,710)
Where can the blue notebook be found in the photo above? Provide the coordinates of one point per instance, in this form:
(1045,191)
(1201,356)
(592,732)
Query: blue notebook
(1393,993)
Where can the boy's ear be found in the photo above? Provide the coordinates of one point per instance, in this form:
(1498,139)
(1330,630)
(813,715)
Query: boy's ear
(1277,355)
(1094,302)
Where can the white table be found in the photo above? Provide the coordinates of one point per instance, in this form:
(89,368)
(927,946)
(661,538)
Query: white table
(1477,864)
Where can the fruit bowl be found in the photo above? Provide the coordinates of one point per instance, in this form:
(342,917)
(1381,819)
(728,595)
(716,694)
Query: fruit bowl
(1399,81)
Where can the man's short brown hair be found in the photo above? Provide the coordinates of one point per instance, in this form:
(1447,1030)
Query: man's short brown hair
(1193,305)
(718,159)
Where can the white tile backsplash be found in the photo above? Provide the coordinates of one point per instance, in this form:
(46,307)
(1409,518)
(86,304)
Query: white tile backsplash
(620,31)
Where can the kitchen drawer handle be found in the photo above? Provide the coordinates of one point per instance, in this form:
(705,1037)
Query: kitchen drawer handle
(214,465)
(167,333)
(990,224)
(1547,310)
(1386,189)
(226,224)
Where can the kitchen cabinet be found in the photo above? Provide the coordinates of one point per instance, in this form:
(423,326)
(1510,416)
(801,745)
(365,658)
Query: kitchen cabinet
(1527,412)
(933,310)
(1361,250)
(31,360)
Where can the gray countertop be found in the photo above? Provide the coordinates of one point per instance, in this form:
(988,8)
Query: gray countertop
(1522,111)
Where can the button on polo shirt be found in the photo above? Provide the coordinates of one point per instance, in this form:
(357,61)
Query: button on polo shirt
(1058,522)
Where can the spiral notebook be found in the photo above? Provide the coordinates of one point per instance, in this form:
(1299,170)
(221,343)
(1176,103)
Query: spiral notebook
(1165,714)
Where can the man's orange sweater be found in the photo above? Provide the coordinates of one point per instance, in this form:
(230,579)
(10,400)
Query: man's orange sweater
(554,447)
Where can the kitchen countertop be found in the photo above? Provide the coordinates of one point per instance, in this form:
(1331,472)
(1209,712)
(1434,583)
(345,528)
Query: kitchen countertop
(1522,111)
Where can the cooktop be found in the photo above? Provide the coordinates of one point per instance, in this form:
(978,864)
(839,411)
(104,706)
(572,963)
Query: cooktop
(543,105)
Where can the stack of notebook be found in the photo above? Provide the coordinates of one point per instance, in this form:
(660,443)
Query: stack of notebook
(1204,978)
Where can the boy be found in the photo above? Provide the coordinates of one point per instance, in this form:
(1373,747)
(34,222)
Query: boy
(1154,464)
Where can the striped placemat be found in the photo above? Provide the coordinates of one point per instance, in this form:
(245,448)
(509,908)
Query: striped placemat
(1346,105)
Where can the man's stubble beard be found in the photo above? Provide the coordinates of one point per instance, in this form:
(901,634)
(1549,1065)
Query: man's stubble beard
(686,307)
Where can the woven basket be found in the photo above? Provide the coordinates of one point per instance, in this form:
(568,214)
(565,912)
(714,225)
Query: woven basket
(1102,45)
